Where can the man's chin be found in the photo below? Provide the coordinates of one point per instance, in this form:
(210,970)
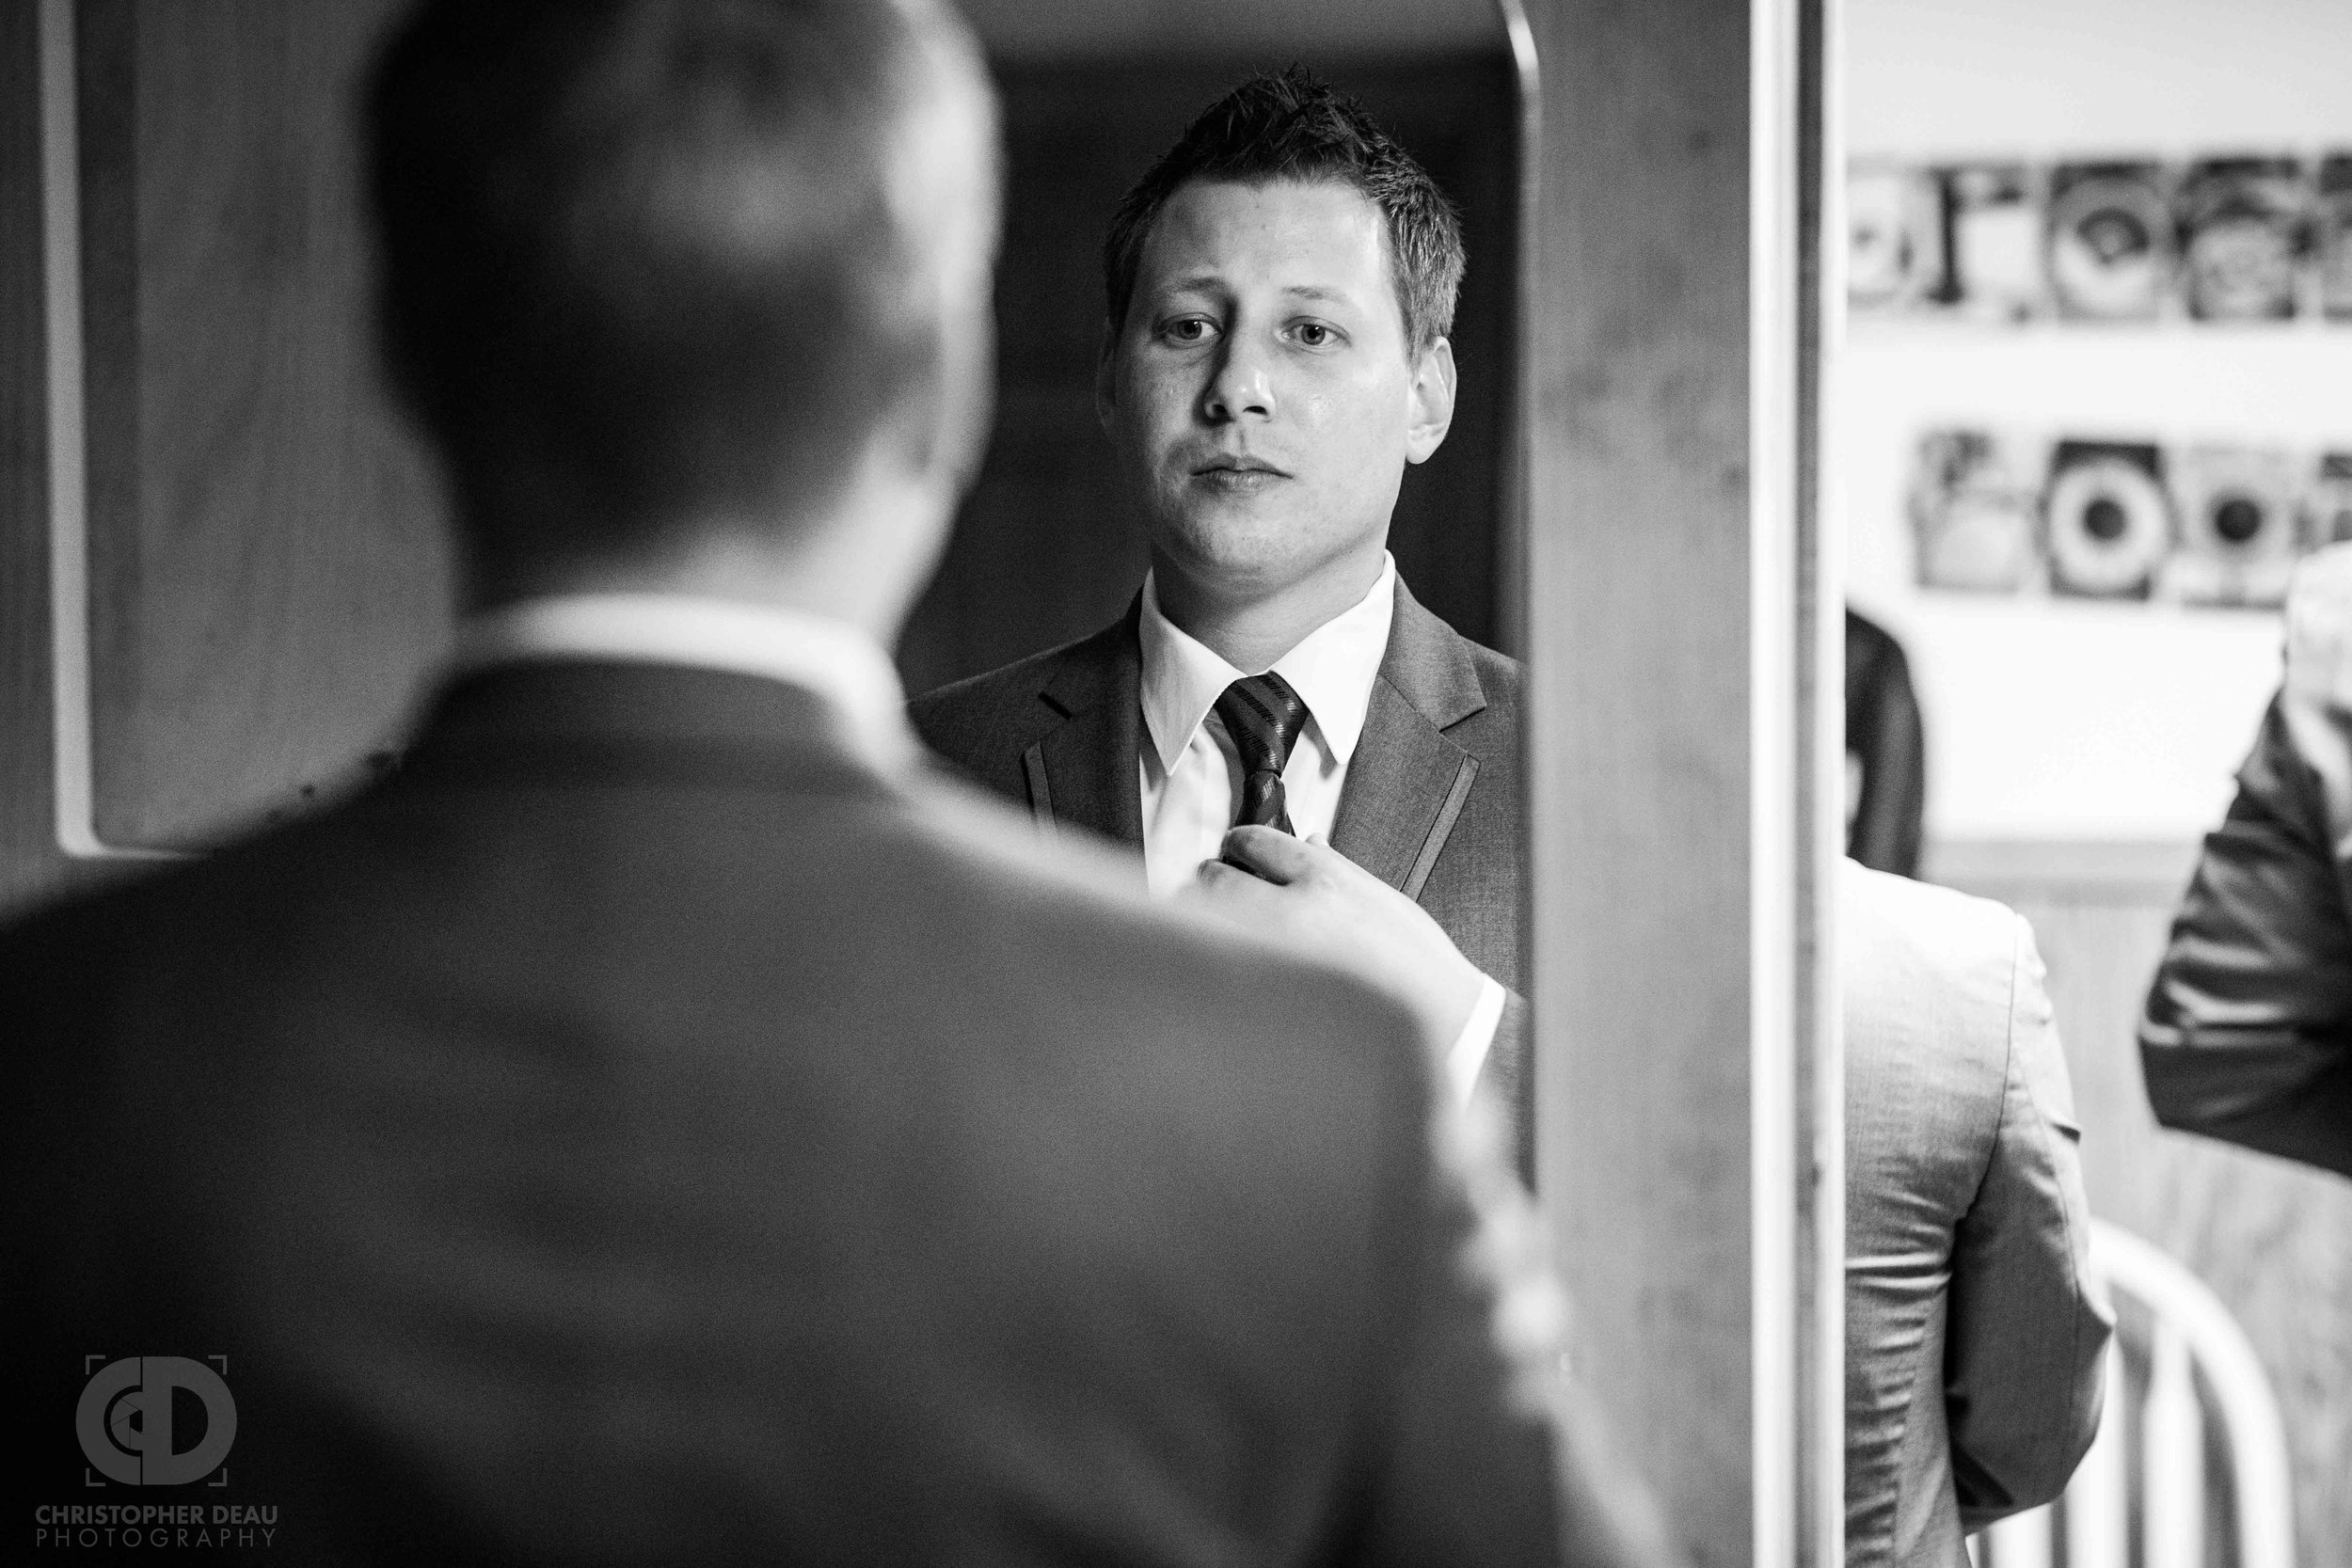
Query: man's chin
(1242,558)
(1231,542)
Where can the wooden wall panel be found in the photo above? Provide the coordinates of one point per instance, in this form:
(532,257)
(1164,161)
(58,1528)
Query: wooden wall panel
(266,566)
(29,857)
(2273,1239)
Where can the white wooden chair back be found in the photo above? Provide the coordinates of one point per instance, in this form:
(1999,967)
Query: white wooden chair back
(2190,1332)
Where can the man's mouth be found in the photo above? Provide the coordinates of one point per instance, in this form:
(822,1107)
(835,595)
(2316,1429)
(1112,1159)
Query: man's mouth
(1237,470)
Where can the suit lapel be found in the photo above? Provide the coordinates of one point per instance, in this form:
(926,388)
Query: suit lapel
(1082,772)
(1406,782)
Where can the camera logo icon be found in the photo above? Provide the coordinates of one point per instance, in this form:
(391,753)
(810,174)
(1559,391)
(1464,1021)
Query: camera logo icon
(126,1422)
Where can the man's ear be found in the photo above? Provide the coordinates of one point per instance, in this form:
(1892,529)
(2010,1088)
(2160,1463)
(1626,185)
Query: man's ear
(1432,405)
(1106,377)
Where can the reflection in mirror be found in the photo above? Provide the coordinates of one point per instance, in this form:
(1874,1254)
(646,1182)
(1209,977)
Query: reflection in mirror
(1296,380)
(1156,732)
(1047,549)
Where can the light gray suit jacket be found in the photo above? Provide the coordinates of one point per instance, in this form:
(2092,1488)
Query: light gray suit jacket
(1432,804)
(1973,1333)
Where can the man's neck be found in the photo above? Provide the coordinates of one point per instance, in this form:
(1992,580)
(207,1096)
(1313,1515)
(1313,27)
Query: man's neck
(1250,627)
(860,567)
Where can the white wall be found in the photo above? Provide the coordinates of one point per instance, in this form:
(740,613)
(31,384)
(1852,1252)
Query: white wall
(2070,720)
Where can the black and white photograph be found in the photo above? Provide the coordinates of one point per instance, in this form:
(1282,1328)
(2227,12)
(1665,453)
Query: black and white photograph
(1164,783)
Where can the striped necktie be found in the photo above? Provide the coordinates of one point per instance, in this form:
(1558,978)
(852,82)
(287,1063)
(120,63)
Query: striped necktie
(1263,716)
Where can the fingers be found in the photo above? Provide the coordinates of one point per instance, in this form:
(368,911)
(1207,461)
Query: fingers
(1271,853)
(1219,883)
(1249,902)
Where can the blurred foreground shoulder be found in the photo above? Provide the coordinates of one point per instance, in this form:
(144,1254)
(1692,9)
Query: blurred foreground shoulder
(1471,1447)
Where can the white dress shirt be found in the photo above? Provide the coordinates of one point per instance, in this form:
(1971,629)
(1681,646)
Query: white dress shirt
(839,663)
(1190,772)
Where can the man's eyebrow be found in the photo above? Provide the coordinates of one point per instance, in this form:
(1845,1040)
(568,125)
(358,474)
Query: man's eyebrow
(1210,283)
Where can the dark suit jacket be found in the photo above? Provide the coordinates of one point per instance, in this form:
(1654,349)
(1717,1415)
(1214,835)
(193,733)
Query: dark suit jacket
(2247,1030)
(1432,806)
(637,1132)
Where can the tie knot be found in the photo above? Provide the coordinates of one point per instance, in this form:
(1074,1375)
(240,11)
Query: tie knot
(1263,716)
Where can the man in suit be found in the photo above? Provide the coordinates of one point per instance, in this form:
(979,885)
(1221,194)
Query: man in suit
(1974,1337)
(2247,1030)
(1276,725)
(1279,288)
(659,1123)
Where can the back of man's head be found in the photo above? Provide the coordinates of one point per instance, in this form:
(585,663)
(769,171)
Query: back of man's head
(646,264)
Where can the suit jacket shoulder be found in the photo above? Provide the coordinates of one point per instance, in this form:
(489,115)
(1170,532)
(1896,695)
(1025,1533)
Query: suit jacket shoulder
(1057,732)
(1501,677)
(981,716)
(1927,975)
(633,986)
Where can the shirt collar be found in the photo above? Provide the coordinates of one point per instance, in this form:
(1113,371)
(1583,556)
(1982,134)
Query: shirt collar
(840,664)
(1332,669)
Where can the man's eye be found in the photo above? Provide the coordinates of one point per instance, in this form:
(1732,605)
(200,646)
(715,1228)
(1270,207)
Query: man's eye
(1187,329)
(1313,334)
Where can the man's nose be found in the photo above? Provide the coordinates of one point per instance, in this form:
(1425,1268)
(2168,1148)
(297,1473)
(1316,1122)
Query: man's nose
(1241,386)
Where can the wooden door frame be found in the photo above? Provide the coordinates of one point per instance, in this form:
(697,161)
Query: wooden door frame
(1685,785)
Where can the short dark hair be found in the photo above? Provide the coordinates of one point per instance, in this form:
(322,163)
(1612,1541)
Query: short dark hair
(1294,126)
(638,258)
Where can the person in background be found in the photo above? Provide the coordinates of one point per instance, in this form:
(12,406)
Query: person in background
(1973,1330)
(1276,727)
(660,1123)
(2247,1035)
(1886,749)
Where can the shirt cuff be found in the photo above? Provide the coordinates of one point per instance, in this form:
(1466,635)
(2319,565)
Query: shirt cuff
(1477,1038)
